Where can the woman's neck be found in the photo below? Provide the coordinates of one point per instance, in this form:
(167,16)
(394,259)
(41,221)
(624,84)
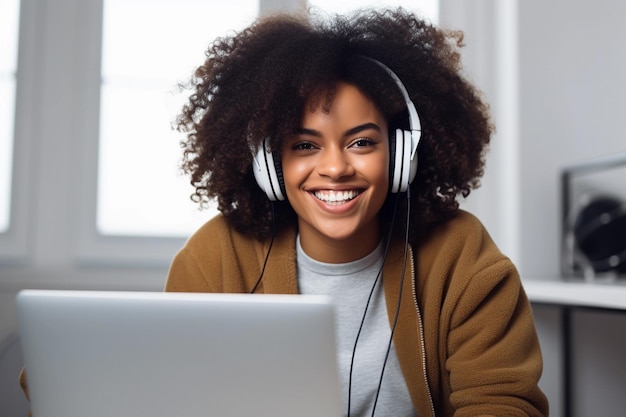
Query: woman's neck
(325,249)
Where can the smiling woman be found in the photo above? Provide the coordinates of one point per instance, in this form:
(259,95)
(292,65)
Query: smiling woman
(337,148)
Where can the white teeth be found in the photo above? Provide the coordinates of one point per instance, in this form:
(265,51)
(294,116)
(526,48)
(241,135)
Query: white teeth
(336,197)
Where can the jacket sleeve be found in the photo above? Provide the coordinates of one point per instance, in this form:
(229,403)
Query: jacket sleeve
(493,354)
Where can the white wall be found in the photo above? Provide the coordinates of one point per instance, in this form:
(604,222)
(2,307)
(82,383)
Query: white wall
(572,67)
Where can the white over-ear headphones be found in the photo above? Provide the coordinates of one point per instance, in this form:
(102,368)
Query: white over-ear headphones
(403,153)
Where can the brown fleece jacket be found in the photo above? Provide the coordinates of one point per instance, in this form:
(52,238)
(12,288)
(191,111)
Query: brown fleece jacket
(465,339)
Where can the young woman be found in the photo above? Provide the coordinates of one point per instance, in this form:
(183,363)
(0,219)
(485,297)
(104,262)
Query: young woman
(336,150)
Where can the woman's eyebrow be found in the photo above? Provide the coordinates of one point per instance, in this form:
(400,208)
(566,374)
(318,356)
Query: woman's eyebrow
(349,132)
(308,132)
(360,128)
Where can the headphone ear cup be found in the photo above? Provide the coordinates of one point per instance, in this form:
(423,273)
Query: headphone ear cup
(403,168)
(398,166)
(412,136)
(280,181)
(268,173)
(392,161)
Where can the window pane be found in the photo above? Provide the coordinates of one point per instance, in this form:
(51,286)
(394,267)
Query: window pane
(428,8)
(149,47)
(9,18)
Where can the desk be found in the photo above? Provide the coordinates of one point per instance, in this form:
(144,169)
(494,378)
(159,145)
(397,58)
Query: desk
(568,296)
(597,295)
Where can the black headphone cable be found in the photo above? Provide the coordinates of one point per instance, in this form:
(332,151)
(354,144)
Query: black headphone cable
(397,314)
(267,255)
(369,298)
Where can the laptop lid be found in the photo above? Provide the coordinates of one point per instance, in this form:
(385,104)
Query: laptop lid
(167,354)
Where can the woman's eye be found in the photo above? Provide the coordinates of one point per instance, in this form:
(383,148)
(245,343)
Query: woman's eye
(302,146)
(363,142)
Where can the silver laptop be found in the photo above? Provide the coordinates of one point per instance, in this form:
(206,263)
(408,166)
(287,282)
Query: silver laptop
(151,354)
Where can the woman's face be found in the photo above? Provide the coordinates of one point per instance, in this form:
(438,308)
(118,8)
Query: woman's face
(336,174)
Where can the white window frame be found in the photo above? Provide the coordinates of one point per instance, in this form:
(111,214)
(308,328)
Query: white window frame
(92,247)
(14,242)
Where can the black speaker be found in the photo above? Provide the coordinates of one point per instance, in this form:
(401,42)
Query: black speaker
(594,218)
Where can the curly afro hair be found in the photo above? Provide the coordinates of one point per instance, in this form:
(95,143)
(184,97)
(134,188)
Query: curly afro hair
(254,84)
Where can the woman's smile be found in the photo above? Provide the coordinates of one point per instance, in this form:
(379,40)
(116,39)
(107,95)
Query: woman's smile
(336,198)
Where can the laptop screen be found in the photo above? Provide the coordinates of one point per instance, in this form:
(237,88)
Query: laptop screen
(164,354)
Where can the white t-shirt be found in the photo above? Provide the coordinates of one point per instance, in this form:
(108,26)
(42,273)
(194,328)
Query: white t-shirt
(349,286)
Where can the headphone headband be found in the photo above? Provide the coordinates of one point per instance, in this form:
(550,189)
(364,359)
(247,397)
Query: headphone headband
(415,125)
(414,120)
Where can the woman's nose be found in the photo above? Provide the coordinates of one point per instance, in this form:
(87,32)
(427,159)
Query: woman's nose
(334,163)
